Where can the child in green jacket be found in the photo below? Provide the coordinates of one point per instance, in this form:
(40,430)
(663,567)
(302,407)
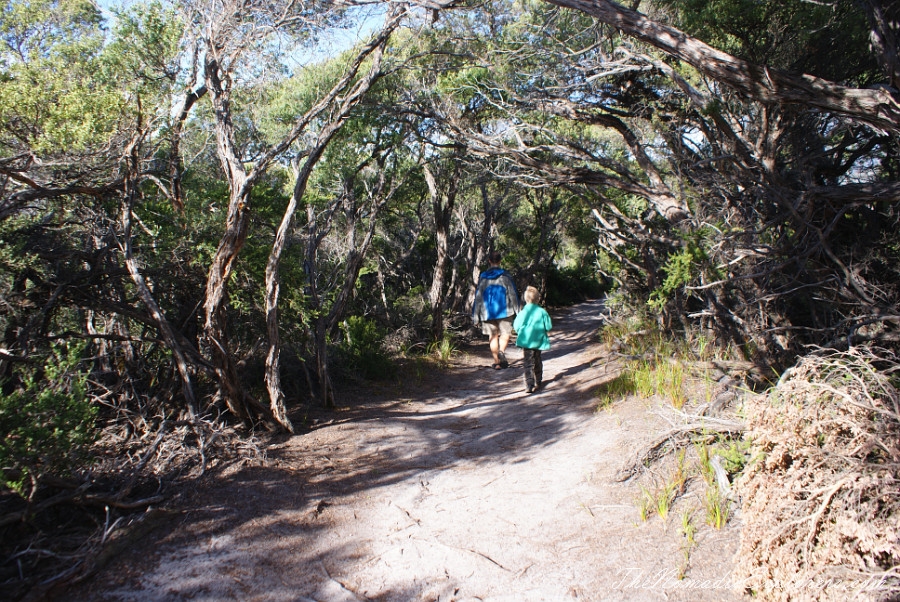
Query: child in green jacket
(532,326)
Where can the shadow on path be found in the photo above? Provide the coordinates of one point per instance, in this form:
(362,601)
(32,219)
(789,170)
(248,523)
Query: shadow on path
(462,418)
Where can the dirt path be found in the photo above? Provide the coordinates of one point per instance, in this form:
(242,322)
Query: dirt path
(464,489)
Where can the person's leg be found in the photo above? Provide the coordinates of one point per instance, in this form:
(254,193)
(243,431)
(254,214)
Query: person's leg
(538,369)
(491,329)
(494,343)
(505,327)
(528,363)
(501,348)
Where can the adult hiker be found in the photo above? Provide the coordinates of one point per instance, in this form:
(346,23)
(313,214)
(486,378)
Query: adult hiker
(496,305)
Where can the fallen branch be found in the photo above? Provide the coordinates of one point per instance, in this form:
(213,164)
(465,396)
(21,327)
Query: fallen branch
(673,439)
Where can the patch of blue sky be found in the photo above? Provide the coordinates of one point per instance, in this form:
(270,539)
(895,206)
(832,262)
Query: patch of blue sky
(357,24)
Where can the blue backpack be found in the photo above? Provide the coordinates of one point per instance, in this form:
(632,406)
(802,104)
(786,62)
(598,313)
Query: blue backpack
(495,302)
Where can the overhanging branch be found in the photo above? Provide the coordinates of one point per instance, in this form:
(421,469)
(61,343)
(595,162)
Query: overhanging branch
(877,107)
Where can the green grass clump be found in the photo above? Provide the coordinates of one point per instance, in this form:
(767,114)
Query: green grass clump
(688,531)
(646,379)
(443,349)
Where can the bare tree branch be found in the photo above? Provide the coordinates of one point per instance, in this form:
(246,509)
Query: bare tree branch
(877,107)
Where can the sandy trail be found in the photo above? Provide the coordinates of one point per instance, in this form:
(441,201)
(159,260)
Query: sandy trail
(462,488)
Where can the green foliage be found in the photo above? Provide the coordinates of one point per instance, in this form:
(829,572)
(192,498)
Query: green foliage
(46,419)
(573,284)
(144,50)
(734,455)
(443,349)
(647,378)
(659,499)
(634,332)
(619,387)
(670,377)
(718,507)
(828,40)
(633,206)
(680,269)
(54,46)
(464,83)
(363,348)
(664,497)
(413,305)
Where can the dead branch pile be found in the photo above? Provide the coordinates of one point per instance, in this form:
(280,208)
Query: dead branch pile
(172,450)
(140,467)
(821,500)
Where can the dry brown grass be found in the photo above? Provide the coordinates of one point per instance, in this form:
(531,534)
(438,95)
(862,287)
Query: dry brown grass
(821,500)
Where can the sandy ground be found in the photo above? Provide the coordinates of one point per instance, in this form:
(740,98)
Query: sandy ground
(458,486)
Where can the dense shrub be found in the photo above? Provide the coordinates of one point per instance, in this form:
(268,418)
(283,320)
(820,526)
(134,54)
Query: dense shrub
(362,349)
(47,420)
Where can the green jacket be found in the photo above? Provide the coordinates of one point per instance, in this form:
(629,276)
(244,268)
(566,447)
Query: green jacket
(532,325)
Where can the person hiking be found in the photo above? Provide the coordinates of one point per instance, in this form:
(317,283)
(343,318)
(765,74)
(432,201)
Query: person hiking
(532,326)
(496,304)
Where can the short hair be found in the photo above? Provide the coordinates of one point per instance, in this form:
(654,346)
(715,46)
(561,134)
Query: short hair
(494,257)
(532,295)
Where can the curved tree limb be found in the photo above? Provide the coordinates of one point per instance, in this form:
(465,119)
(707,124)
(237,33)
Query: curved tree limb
(877,107)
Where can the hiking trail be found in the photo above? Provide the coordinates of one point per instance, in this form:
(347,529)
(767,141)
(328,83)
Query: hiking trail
(458,486)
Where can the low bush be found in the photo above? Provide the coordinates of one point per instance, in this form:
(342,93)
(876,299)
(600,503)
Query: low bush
(46,420)
(363,350)
(821,502)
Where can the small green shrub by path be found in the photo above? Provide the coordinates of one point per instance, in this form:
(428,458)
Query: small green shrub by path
(443,350)
(363,348)
(730,456)
(47,420)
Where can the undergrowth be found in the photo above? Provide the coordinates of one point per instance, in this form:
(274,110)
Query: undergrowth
(821,507)
(656,364)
